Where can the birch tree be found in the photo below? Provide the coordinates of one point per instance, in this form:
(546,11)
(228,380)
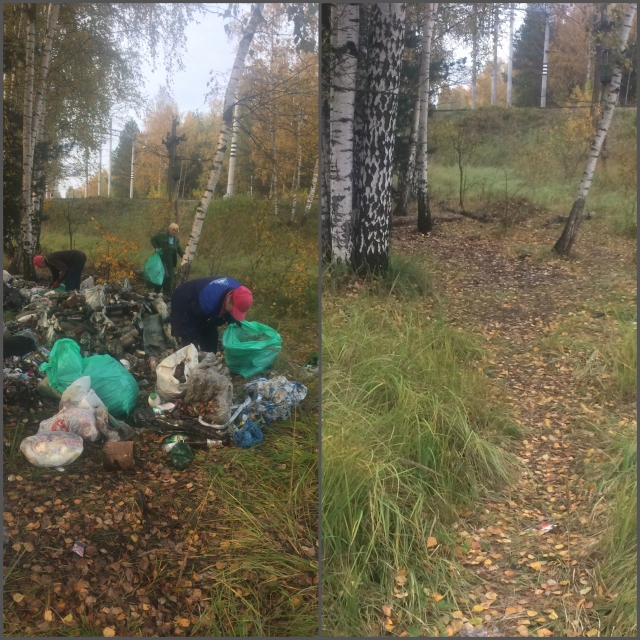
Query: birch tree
(404,192)
(344,47)
(510,60)
(26,229)
(296,175)
(371,237)
(312,193)
(425,223)
(494,67)
(227,123)
(610,97)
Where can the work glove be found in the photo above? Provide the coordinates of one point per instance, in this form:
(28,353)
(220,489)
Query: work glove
(55,285)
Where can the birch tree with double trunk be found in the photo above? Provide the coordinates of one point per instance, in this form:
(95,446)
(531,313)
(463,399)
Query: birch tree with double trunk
(227,123)
(386,47)
(610,97)
(344,47)
(26,223)
(425,222)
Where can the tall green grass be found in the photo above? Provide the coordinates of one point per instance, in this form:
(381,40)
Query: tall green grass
(410,434)
(618,550)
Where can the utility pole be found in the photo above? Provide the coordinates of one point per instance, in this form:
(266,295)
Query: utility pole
(86,173)
(133,154)
(110,134)
(172,143)
(232,155)
(494,69)
(510,61)
(545,58)
(100,170)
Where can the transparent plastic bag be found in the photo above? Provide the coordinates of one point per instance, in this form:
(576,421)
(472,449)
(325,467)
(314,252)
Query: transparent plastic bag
(79,394)
(52,449)
(81,422)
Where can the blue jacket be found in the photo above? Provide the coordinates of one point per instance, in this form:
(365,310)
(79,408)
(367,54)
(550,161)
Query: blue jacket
(197,302)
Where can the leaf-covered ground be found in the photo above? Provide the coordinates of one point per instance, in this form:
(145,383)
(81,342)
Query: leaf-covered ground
(241,563)
(548,325)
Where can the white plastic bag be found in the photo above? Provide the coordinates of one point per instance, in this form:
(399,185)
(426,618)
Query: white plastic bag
(274,398)
(95,298)
(87,283)
(81,422)
(167,386)
(52,449)
(80,395)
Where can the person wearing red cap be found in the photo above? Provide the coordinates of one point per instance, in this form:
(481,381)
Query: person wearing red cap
(199,307)
(65,266)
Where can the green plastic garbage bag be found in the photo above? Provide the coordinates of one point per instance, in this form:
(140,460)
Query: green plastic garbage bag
(154,270)
(113,384)
(250,347)
(65,364)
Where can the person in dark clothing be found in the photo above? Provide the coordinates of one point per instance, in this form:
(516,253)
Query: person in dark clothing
(199,307)
(65,266)
(169,243)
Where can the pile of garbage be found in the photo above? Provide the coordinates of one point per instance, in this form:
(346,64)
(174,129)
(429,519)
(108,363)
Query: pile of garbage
(109,345)
(103,319)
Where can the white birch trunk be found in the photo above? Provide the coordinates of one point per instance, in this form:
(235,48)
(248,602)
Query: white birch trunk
(227,121)
(344,44)
(425,222)
(545,59)
(611,93)
(494,68)
(274,153)
(510,61)
(386,48)
(26,223)
(409,177)
(312,192)
(38,109)
(296,175)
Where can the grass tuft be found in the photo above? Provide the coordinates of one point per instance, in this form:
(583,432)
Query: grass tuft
(410,434)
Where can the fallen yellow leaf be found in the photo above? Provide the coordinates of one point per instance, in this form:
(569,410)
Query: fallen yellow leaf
(478,608)
(531,613)
(509,610)
(536,565)
(386,609)
(437,597)
(18,597)
(553,615)
(48,615)
(592,633)
(544,633)
(134,537)
(388,625)
(68,619)
(457,614)
(523,631)
(432,542)
(108,632)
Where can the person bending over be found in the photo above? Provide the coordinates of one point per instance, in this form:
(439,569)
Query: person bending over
(65,266)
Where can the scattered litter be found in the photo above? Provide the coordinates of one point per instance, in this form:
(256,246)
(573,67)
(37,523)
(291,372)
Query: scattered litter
(181,455)
(118,456)
(87,283)
(52,449)
(210,390)
(79,547)
(249,435)
(545,527)
(275,398)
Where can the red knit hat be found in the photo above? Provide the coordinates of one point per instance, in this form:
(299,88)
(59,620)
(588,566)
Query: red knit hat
(242,300)
(38,261)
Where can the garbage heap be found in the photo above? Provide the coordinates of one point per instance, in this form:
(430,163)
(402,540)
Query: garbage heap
(103,319)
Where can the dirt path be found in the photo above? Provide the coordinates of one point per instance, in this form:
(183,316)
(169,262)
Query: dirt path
(529,578)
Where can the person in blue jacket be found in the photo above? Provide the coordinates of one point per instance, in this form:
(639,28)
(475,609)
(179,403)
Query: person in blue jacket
(199,307)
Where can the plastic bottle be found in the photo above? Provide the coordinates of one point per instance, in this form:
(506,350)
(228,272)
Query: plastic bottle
(154,400)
